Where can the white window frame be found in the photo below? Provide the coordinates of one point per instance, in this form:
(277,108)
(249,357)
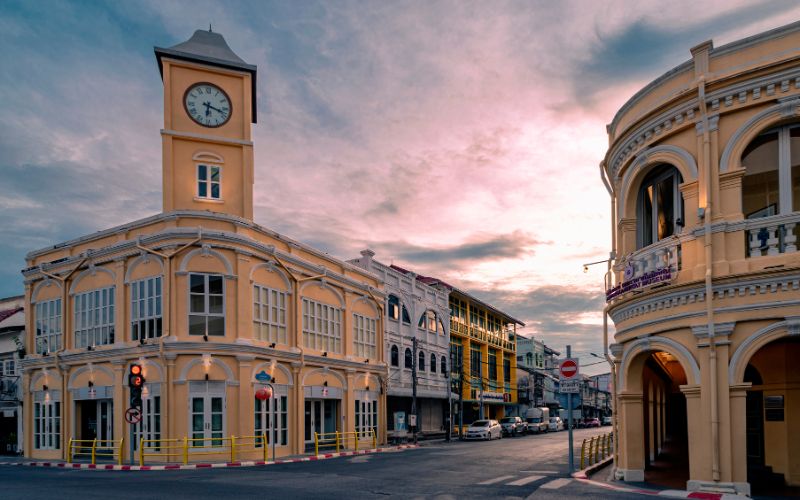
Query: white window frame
(322,326)
(784,166)
(46,423)
(48,326)
(208,182)
(364,336)
(366,411)
(206,304)
(667,171)
(147,310)
(93,315)
(149,427)
(269,411)
(269,317)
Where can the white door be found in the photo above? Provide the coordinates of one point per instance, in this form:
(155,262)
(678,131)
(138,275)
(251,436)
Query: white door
(105,420)
(207,415)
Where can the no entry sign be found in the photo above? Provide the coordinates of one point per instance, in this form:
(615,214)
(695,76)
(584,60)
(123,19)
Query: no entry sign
(568,369)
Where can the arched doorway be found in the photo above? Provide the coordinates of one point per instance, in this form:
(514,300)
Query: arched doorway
(653,414)
(771,417)
(664,421)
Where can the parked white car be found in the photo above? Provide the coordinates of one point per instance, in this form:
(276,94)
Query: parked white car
(484,429)
(556,424)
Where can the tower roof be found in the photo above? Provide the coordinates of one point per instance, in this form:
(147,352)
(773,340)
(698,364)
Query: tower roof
(207,47)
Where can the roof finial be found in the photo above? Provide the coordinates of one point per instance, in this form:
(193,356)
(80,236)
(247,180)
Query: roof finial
(209,27)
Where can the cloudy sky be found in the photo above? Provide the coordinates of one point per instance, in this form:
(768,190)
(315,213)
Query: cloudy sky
(458,139)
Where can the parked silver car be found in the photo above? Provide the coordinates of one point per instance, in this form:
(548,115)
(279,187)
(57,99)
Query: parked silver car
(513,426)
(556,424)
(484,429)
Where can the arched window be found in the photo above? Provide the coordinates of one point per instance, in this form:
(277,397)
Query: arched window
(660,206)
(428,321)
(421,364)
(444,365)
(395,356)
(771,183)
(433,363)
(409,358)
(529,359)
(393,310)
(406,316)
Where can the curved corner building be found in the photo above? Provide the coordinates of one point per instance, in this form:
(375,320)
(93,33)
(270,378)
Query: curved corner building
(704,167)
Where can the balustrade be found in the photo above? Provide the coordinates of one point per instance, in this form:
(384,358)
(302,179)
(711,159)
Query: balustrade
(772,235)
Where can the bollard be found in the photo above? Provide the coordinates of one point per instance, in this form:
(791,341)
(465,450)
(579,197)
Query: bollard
(94,449)
(583,454)
(316,444)
(264,445)
(337,441)
(374,440)
(355,438)
(233,448)
(591,454)
(69,451)
(119,452)
(141,451)
(185,450)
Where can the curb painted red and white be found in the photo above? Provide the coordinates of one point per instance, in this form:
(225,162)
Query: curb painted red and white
(583,476)
(243,463)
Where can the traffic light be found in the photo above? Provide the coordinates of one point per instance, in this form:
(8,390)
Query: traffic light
(135,384)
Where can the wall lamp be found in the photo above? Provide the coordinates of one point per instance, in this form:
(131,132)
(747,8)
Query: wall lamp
(91,384)
(44,387)
(325,383)
(366,361)
(205,337)
(272,345)
(206,377)
(325,354)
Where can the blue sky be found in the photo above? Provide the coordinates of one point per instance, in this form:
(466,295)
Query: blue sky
(459,139)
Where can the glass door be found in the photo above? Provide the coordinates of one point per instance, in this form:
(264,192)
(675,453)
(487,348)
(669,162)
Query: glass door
(207,418)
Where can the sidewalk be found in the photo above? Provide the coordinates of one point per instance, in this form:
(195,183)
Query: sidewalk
(21,461)
(600,475)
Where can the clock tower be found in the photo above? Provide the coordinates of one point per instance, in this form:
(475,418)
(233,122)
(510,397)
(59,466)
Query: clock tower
(209,104)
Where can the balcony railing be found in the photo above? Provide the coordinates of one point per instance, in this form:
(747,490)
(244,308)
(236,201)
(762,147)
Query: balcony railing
(654,264)
(772,235)
(492,338)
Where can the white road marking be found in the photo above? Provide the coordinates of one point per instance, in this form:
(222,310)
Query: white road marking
(539,472)
(524,481)
(556,484)
(496,480)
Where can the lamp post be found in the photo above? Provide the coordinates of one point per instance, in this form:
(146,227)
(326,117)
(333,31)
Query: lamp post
(607,284)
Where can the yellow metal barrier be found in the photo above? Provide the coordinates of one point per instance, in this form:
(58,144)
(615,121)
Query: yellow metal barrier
(342,440)
(186,447)
(599,447)
(96,447)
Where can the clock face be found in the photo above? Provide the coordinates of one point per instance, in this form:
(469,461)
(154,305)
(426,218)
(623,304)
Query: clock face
(207,104)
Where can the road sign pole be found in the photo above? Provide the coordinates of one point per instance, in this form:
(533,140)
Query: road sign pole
(569,420)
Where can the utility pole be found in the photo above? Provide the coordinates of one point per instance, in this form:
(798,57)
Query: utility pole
(449,417)
(461,397)
(414,385)
(569,420)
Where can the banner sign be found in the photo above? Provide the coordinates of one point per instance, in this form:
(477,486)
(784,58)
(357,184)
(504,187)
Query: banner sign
(663,275)
(494,396)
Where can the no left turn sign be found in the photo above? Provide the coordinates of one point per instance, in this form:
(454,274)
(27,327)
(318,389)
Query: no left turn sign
(568,369)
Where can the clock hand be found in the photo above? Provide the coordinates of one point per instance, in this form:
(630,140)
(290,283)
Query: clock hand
(207,105)
(215,109)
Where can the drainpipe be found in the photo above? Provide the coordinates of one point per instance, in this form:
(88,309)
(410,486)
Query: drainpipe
(712,352)
(607,283)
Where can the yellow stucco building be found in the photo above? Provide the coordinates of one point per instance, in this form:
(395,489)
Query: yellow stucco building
(211,304)
(704,171)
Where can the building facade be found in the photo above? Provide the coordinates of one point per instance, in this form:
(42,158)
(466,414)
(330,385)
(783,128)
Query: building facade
(12,338)
(483,357)
(704,171)
(414,310)
(212,305)
(536,382)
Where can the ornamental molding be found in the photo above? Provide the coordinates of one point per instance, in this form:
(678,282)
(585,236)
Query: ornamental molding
(696,294)
(751,91)
(785,108)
